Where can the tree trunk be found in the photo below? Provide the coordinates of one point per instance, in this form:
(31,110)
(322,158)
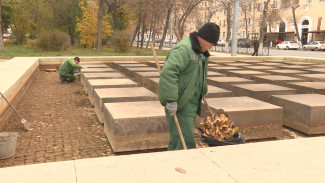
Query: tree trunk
(100,25)
(2,46)
(165,29)
(135,33)
(295,23)
(143,28)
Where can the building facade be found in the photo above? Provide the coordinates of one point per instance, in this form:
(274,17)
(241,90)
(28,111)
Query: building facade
(280,25)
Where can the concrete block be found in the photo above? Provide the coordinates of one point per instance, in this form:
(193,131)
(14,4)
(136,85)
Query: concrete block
(238,64)
(299,63)
(316,70)
(114,95)
(94,65)
(299,67)
(276,79)
(140,77)
(153,63)
(256,119)
(223,69)
(287,72)
(130,71)
(152,84)
(215,74)
(312,77)
(259,67)
(94,70)
(271,64)
(309,87)
(227,82)
(84,77)
(131,126)
(250,61)
(216,92)
(261,91)
(246,73)
(106,83)
(303,112)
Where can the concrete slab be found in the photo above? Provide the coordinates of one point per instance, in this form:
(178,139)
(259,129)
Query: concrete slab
(94,65)
(276,79)
(106,83)
(282,158)
(287,72)
(261,91)
(84,77)
(140,77)
(299,67)
(215,74)
(309,87)
(152,167)
(273,64)
(303,112)
(299,63)
(130,71)
(276,159)
(276,61)
(94,70)
(113,95)
(227,82)
(259,67)
(152,84)
(256,119)
(44,172)
(133,126)
(316,70)
(223,69)
(238,64)
(312,77)
(250,61)
(153,63)
(133,65)
(216,92)
(246,73)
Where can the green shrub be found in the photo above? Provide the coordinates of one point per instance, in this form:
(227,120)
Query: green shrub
(121,41)
(53,41)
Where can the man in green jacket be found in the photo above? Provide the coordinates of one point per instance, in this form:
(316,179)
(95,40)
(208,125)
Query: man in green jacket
(182,83)
(66,70)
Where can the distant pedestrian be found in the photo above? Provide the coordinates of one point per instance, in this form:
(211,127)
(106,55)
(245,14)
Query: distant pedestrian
(66,70)
(256,45)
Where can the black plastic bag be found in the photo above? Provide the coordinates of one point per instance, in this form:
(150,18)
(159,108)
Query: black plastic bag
(238,139)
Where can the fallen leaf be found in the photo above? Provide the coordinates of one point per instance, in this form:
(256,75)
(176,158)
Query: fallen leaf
(181,170)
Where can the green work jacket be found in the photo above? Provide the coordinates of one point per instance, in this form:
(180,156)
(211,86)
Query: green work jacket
(67,67)
(181,75)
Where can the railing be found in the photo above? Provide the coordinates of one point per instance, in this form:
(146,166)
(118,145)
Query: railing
(243,49)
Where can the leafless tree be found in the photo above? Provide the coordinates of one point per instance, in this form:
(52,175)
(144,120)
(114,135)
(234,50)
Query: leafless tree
(100,25)
(228,5)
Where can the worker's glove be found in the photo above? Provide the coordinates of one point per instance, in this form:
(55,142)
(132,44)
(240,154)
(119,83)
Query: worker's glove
(172,108)
(83,67)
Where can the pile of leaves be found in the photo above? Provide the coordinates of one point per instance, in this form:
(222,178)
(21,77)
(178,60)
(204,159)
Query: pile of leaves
(219,126)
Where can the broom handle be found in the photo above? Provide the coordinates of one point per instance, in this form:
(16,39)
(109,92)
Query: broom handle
(10,105)
(175,117)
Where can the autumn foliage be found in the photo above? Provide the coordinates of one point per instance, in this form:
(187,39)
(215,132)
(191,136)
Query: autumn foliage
(87,25)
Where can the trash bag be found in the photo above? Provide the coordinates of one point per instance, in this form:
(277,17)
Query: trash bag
(238,139)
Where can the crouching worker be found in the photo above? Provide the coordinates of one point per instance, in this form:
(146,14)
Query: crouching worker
(67,69)
(182,83)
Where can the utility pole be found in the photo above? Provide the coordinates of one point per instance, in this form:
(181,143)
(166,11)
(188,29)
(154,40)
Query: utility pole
(235,29)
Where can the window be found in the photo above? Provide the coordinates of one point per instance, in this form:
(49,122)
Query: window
(223,34)
(308,1)
(249,21)
(259,8)
(224,23)
(243,34)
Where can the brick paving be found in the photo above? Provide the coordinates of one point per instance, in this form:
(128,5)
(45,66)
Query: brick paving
(64,124)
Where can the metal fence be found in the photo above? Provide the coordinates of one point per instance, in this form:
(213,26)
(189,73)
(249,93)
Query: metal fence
(242,50)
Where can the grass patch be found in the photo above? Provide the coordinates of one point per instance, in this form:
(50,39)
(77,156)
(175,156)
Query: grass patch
(12,51)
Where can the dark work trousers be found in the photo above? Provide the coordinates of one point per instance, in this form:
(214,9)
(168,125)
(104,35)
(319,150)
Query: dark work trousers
(255,53)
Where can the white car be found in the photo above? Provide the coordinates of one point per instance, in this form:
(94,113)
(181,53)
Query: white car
(288,45)
(315,45)
(221,42)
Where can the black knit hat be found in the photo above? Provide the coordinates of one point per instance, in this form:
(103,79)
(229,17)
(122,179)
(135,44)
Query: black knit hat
(210,32)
